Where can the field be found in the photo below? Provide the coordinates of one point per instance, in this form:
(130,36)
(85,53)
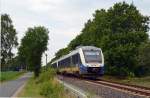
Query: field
(45,86)
(143,81)
(9,75)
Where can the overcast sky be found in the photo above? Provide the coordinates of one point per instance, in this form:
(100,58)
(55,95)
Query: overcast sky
(64,18)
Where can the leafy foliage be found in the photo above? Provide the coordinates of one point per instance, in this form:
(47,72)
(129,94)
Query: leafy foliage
(8,39)
(32,46)
(49,87)
(143,65)
(45,86)
(118,31)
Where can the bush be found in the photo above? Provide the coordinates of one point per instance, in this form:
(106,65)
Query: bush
(143,59)
(46,75)
(121,72)
(51,89)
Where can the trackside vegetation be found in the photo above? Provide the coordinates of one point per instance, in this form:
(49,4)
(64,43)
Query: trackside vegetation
(140,81)
(9,41)
(33,45)
(121,32)
(45,86)
(9,75)
(143,59)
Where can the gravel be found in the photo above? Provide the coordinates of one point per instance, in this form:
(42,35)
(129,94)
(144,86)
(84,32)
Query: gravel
(100,90)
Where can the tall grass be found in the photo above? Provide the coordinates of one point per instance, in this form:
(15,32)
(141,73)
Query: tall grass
(141,81)
(9,75)
(45,86)
(49,86)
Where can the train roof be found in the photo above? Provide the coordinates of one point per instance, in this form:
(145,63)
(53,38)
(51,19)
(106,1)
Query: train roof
(76,51)
(88,47)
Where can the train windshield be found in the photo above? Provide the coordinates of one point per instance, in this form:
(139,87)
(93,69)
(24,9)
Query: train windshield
(92,56)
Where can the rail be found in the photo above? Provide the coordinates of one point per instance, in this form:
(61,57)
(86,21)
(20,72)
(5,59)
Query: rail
(127,87)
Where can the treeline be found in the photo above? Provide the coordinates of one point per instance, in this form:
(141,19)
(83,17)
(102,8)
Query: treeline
(8,43)
(121,32)
(31,48)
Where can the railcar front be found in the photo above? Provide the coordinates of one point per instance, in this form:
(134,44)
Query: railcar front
(93,62)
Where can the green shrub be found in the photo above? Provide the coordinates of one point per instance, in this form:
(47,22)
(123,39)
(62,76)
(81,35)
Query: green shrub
(44,86)
(49,87)
(46,89)
(143,59)
(142,71)
(51,90)
(46,75)
(122,72)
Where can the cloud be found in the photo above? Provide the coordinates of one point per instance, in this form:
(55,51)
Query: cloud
(43,5)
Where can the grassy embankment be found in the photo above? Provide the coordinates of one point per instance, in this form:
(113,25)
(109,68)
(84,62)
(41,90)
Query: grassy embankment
(9,75)
(142,81)
(45,86)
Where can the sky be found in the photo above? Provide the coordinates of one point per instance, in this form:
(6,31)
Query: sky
(64,18)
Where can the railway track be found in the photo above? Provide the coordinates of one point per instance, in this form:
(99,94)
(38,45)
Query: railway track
(145,91)
(134,89)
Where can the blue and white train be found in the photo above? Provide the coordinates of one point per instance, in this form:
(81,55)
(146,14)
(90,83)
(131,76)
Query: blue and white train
(84,60)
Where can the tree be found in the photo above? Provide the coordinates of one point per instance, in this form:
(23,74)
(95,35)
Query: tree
(59,53)
(143,65)
(33,45)
(8,38)
(128,30)
(118,31)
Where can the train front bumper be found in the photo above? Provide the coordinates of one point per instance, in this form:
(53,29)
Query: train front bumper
(95,70)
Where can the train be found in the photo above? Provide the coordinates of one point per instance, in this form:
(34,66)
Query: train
(84,60)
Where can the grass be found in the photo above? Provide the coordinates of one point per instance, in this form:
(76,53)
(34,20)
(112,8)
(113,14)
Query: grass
(31,89)
(143,81)
(45,86)
(9,75)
